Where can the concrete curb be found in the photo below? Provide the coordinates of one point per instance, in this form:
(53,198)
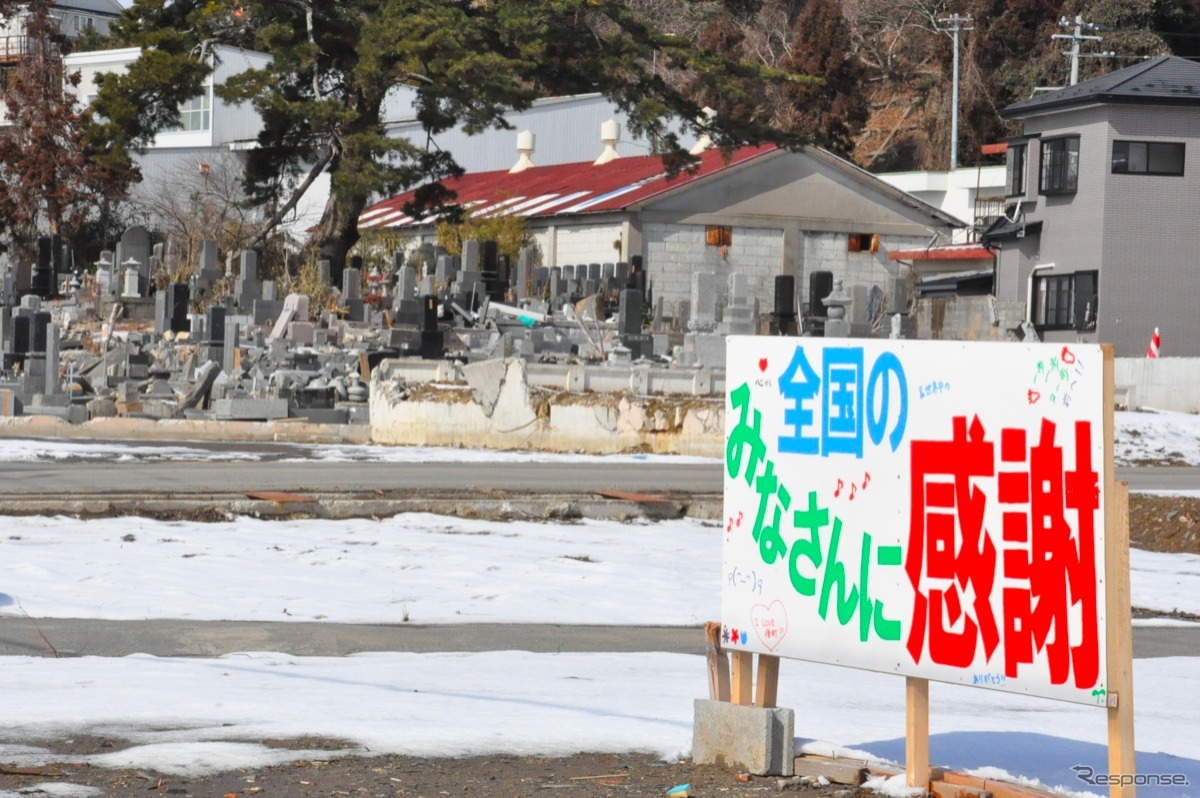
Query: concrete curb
(462,504)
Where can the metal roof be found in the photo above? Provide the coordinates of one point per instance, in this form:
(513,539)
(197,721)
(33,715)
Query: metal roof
(106,8)
(572,188)
(970,251)
(1164,80)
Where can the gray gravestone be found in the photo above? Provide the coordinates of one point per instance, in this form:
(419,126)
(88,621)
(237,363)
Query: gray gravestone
(135,244)
(41,327)
(525,274)
(629,320)
(470,256)
(52,342)
(351,285)
(246,288)
(214,324)
(444,273)
(704,302)
(406,283)
(208,254)
(231,342)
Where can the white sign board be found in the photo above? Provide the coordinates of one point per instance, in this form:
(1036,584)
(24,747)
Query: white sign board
(926,508)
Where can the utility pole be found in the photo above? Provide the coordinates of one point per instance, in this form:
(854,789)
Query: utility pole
(1076,36)
(955,25)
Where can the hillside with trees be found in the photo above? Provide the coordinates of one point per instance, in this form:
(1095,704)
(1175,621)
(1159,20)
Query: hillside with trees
(887,63)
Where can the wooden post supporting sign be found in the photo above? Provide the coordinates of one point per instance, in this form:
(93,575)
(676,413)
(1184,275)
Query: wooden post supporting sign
(718,663)
(741,680)
(916,734)
(1119,627)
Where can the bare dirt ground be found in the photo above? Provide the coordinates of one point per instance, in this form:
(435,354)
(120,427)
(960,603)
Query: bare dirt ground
(1157,523)
(497,776)
(1165,523)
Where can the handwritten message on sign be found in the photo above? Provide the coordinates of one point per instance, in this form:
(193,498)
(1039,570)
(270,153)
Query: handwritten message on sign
(926,508)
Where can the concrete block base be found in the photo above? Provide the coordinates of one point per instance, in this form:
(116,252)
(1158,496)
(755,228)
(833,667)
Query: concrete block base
(750,739)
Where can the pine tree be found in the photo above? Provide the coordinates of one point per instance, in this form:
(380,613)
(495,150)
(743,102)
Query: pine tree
(469,62)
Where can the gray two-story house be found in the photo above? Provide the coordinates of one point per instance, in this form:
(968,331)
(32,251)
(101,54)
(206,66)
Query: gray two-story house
(1101,237)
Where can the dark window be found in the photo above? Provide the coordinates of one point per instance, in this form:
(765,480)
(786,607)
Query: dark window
(716,235)
(862,242)
(1148,158)
(1067,301)
(1060,165)
(1016,170)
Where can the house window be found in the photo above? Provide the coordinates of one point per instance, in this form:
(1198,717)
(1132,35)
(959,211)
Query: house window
(862,242)
(1067,301)
(1015,167)
(194,115)
(717,235)
(1148,158)
(1060,165)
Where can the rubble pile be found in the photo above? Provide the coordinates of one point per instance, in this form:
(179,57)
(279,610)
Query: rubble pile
(129,341)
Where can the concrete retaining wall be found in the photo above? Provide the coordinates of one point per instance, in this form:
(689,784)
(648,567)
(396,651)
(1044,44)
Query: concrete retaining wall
(147,429)
(502,411)
(967,318)
(641,379)
(506,408)
(1165,383)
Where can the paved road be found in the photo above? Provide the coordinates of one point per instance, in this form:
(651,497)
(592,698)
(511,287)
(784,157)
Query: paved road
(159,478)
(170,638)
(657,475)
(92,477)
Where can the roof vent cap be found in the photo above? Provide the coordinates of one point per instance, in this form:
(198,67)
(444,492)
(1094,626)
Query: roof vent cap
(610,134)
(525,146)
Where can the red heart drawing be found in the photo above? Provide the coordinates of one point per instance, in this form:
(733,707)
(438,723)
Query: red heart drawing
(770,623)
(762,364)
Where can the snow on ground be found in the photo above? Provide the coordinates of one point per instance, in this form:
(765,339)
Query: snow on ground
(195,715)
(190,716)
(1157,437)
(431,569)
(202,714)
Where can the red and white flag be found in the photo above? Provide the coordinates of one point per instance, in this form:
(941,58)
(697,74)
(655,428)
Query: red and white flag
(1152,351)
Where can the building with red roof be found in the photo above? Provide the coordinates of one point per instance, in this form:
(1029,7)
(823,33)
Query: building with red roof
(761,211)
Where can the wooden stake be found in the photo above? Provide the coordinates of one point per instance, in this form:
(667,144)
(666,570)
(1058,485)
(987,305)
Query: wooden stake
(766,690)
(916,735)
(1118,626)
(718,663)
(742,678)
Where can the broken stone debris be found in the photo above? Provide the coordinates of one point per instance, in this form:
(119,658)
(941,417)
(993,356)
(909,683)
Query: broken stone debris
(249,356)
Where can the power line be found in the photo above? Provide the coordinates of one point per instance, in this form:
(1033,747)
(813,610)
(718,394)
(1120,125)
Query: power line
(1077,27)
